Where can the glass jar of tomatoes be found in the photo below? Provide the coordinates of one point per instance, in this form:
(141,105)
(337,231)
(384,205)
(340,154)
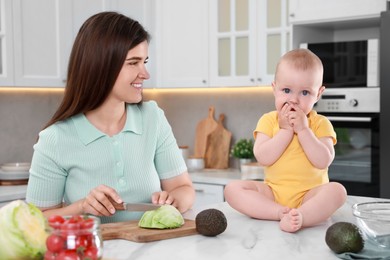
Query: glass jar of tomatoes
(74,238)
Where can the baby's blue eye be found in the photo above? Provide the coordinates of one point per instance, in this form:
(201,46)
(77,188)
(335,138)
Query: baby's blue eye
(305,92)
(286,90)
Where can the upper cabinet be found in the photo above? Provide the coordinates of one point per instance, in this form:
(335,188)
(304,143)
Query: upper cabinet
(181,40)
(36,37)
(314,11)
(219,43)
(316,21)
(247,39)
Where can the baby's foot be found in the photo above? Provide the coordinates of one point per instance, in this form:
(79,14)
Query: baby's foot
(292,221)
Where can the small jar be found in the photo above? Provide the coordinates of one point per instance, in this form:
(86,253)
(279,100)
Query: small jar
(74,237)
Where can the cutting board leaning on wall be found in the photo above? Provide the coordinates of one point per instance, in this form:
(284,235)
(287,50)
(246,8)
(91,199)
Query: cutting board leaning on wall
(203,129)
(218,147)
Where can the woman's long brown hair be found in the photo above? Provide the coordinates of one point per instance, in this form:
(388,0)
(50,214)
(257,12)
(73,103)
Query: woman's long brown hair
(97,57)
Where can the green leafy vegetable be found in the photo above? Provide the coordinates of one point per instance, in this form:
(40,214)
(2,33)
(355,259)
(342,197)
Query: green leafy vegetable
(166,216)
(22,231)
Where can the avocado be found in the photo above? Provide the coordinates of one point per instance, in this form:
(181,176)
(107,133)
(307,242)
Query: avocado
(344,237)
(210,222)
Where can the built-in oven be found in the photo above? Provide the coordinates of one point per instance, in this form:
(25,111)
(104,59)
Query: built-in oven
(354,114)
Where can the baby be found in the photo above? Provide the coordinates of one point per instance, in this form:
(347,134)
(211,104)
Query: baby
(296,146)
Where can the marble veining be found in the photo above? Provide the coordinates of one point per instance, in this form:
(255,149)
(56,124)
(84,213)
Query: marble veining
(244,238)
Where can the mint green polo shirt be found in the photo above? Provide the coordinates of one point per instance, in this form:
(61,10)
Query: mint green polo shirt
(72,157)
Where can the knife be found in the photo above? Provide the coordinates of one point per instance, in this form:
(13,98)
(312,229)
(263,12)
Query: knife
(139,206)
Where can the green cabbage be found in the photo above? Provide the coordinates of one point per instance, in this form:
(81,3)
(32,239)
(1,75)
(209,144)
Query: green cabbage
(166,216)
(22,231)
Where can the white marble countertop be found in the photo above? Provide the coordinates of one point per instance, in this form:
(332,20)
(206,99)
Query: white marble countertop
(244,238)
(222,177)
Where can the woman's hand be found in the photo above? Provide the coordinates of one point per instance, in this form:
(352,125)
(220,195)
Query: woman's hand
(163,197)
(98,201)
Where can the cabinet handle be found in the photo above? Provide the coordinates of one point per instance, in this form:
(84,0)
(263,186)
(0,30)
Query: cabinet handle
(204,81)
(252,80)
(259,79)
(197,190)
(292,15)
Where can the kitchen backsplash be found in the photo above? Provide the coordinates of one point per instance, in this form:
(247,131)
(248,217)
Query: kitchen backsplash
(24,113)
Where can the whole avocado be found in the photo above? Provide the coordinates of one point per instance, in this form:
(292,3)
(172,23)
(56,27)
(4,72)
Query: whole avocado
(344,237)
(210,222)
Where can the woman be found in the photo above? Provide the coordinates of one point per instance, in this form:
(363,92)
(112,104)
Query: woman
(104,144)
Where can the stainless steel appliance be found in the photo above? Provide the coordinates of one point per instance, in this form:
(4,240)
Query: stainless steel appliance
(348,64)
(354,113)
(385,103)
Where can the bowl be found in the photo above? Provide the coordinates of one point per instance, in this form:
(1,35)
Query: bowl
(195,163)
(373,218)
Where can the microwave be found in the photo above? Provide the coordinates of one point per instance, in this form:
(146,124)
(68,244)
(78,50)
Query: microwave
(348,64)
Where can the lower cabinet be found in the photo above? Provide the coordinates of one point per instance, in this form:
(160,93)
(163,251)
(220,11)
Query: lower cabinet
(208,194)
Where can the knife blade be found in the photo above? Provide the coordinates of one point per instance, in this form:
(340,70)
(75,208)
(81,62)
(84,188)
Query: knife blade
(139,206)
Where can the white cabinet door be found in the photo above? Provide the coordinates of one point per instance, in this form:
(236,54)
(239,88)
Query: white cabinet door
(247,38)
(40,35)
(181,36)
(6,44)
(208,194)
(311,11)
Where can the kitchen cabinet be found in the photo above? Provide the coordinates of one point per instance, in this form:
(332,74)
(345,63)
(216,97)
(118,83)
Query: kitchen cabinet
(247,38)
(33,33)
(314,11)
(206,194)
(36,37)
(181,36)
(219,43)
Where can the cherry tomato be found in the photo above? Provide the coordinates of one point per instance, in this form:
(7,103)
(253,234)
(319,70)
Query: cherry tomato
(55,243)
(91,253)
(87,223)
(68,255)
(55,221)
(49,256)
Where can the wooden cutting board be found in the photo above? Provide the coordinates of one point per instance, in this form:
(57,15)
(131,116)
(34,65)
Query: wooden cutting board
(130,230)
(218,147)
(203,129)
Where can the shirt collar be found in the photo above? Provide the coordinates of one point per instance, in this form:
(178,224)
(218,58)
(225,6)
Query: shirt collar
(89,133)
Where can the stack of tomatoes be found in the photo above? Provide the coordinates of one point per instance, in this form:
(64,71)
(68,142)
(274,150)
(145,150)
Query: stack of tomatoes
(74,238)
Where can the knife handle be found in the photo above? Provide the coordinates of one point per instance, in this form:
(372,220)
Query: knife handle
(117,206)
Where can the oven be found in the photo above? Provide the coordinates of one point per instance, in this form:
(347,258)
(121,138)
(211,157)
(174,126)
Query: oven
(354,113)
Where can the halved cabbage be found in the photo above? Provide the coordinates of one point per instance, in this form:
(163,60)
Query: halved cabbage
(22,231)
(166,216)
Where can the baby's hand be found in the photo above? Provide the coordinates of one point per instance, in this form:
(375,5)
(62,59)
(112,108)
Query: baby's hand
(283,119)
(298,119)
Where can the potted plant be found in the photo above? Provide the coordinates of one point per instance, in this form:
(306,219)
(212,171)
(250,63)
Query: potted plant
(243,150)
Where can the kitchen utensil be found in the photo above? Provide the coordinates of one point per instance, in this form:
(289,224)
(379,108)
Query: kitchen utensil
(203,129)
(14,175)
(130,230)
(134,206)
(218,146)
(373,218)
(194,163)
(139,206)
(15,167)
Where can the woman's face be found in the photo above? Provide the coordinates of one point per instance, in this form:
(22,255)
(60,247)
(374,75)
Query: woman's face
(129,83)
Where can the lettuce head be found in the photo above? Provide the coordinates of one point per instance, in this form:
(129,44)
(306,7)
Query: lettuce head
(166,216)
(22,231)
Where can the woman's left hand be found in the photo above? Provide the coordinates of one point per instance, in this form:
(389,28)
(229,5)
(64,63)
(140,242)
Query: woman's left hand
(163,197)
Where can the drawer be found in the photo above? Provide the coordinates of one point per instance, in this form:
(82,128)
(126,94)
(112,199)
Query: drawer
(208,194)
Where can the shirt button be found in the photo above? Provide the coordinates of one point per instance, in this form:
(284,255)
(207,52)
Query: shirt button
(118,164)
(122,182)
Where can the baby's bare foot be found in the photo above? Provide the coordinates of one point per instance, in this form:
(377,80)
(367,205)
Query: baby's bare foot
(292,221)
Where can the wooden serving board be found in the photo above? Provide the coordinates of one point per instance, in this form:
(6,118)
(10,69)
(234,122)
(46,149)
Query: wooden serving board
(203,129)
(218,147)
(130,230)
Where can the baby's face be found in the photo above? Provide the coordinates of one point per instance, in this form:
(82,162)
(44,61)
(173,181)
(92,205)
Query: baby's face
(301,88)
